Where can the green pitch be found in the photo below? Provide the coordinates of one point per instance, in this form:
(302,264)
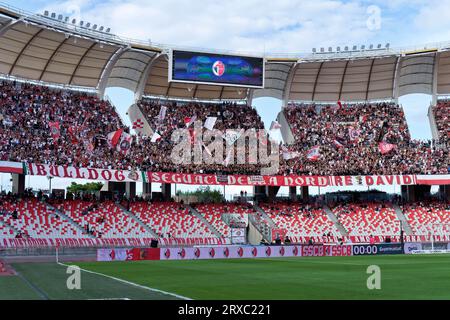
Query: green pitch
(402,277)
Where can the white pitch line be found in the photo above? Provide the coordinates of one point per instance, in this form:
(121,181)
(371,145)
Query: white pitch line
(131,283)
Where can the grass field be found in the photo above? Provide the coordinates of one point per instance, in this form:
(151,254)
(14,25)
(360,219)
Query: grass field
(402,277)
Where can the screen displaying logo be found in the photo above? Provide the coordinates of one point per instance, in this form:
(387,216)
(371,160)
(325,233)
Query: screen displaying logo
(218,68)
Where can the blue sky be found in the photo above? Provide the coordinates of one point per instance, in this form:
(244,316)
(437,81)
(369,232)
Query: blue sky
(283,26)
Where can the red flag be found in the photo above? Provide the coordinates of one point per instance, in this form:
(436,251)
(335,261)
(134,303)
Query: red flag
(114,138)
(55,130)
(339,104)
(385,147)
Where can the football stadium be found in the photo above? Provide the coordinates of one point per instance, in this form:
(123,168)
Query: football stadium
(190,192)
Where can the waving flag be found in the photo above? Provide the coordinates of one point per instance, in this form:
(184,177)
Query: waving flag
(189,120)
(337,144)
(313,154)
(124,144)
(210,123)
(385,147)
(339,104)
(162,113)
(275,125)
(114,138)
(156,136)
(55,130)
(353,133)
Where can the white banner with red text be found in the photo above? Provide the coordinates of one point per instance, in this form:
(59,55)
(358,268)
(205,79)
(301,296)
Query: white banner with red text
(213,179)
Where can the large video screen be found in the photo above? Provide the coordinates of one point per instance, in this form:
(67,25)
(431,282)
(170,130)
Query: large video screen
(216,69)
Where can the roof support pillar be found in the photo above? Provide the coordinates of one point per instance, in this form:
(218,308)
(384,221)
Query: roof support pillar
(101,87)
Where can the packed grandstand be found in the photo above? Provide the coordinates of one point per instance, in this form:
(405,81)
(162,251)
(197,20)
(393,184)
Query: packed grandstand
(53,114)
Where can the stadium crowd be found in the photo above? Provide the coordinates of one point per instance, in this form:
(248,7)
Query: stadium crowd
(441,115)
(54,126)
(348,139)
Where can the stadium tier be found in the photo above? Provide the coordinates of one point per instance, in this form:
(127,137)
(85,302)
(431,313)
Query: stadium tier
(428,218)
(301,220)
(442,119)
(368,219)
(171,220)
(34,219)
(177,115)
(358,139)
(213,213)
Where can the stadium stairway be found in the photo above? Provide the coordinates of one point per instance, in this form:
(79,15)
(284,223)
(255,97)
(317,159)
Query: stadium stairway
(404,221)
(335,220)
(139,221)
(68,219)
(266,217)
(261,227)
(194,212)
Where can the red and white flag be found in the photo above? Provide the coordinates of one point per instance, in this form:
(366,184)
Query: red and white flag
(275,125)
(354,133)
(114,138)
(55,130)
(124,144)
(313,154)
(189,120)
(156,136)
(385,147)
(337,144)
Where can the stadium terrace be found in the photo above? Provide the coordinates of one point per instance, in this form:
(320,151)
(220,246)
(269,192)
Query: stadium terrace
(342,130)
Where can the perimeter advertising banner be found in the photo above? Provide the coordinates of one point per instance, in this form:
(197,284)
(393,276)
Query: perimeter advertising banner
(135,254)
(230,252)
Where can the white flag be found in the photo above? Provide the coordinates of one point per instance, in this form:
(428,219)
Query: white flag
(162,113)
(156,136)
(275,125)
(210,123)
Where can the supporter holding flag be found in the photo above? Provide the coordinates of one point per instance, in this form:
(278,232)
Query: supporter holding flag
(385,147)
(313,154)
(114,138)
(55,130)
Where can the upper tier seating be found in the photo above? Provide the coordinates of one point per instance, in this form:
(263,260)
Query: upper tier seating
(171,220)
(442,117)
(349,139)
(368,219)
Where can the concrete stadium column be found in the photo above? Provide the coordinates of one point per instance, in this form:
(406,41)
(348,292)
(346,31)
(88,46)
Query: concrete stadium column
(166,189)
(404,191)
(305,194)
(18,183)
(445,192)
(146,190)
(259,192)
(116,187)
(293,193)
(130,189)
(272,192)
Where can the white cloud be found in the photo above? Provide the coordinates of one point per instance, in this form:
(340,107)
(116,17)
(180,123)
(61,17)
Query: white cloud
(250,25)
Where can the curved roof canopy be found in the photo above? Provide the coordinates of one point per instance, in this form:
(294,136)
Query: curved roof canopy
(37,48)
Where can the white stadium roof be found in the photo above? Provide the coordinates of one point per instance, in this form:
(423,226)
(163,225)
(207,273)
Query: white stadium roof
(39,48)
